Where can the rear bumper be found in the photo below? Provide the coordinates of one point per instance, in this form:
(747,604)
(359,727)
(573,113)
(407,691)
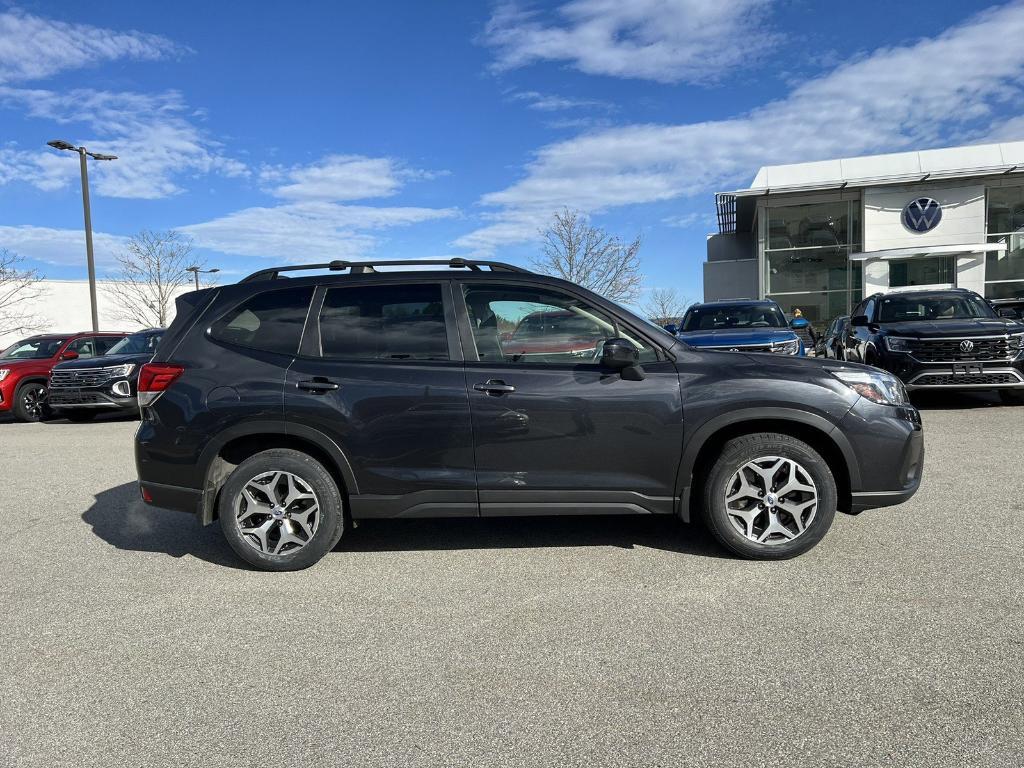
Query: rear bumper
(171,497)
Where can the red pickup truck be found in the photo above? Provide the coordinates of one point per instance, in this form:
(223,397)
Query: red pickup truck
(25,368)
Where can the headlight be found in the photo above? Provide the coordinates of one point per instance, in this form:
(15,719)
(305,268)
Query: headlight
(1014,342)
(3,373)
(897,344)
(121,371)
(876,386)
(786,347)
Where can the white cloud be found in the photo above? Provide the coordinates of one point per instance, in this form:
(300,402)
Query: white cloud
(32,48)
(942,90)
(663,40)
(152,135)
(64,247)
(306,231)
(547,102)
(687,220)
(340,177)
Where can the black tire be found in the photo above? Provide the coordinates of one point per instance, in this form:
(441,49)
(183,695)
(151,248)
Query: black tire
(310,472)
(1012,396)
(30,402)
(738,452)
(77,414)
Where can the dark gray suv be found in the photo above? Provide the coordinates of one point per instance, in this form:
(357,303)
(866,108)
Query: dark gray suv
(288,408)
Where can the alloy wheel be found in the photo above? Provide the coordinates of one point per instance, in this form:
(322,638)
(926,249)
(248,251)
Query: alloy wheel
(34,400)
(771,500)
(277,513)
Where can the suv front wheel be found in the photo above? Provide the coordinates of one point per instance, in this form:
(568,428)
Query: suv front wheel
(280,510)
(769,497)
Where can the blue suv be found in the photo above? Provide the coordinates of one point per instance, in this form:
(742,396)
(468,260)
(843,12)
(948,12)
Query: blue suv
(740,325)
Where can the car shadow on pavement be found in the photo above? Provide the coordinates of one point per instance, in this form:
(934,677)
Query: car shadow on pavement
(625,532)
(121,518)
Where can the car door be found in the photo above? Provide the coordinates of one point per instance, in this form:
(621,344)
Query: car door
(555,431)
(380,373)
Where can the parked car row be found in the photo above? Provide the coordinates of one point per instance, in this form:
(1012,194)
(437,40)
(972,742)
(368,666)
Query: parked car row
(931,339)
(75,375)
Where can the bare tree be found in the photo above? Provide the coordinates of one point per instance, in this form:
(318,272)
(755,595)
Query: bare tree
(664,306)
(588,256)
(19,289)
(152,273)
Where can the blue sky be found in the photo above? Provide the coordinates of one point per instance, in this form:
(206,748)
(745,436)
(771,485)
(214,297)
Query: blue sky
(308,131)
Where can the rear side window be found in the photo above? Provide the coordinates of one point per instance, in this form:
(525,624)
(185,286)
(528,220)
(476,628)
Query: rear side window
(270,321)
(384,322)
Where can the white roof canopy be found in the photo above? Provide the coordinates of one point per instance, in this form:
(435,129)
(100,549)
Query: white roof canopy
(896,168)
(928,250)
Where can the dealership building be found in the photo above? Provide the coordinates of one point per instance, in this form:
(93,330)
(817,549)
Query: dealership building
(820,236)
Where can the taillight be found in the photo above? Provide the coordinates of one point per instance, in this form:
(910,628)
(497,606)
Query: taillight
(154,378)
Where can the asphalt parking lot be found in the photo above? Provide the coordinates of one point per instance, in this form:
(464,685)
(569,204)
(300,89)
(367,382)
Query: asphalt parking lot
(132,636)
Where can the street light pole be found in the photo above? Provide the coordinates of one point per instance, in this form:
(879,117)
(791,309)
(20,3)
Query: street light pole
(90,261)
(88,240)
(195,270)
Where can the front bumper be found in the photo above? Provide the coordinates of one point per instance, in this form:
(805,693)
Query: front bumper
(888,443)
(119,394)
(999,373)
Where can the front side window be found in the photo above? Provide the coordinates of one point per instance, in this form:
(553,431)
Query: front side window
(270,321)
(136,344)
(32,349)
(384,322)
(84,347)
(899,309)
(521,324)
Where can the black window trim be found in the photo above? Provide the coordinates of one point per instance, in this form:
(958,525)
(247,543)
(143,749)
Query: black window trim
(466,330)
(311,345)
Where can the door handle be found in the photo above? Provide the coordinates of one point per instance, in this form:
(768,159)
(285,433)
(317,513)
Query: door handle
(318,384)
(494,387)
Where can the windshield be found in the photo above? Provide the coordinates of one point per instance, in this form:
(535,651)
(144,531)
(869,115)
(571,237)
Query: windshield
(733,316)
(136,344)
(900,309)
(33,349)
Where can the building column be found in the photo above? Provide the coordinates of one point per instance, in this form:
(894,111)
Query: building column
(876,276)
(970,272)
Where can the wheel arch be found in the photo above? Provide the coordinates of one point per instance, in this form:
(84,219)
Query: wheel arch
(818,432)
(236,444)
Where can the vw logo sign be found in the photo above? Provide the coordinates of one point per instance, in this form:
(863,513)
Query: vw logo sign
(966,345)
(922,215)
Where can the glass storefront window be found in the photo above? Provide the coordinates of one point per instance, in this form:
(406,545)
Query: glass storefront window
(1009,264)
(816,269)
(932,270)
(820,225)
(1009,290)
(1005,209)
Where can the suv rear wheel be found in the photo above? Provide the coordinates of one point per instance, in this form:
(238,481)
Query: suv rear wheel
(280,510)
(769,497)
(30,402)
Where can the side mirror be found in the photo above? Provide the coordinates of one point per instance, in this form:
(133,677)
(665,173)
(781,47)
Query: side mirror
(69,355)
(1009,313)
(621,355)
(672,328)
(859,321)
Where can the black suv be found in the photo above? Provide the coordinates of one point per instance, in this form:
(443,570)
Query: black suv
(82,388)
(939,339)
(289,408)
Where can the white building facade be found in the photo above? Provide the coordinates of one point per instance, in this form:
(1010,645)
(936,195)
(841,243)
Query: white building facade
(821,236)
(63,307)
